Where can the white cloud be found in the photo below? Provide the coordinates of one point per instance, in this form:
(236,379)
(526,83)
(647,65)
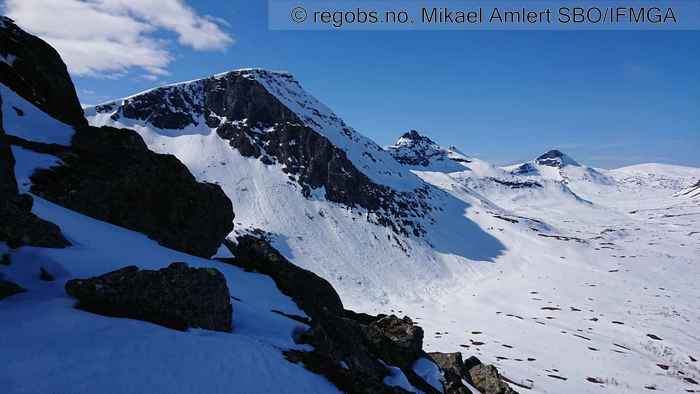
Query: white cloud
(108,37)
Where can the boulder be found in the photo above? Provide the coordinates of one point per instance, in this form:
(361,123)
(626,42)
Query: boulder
(397,341)
(110,175)
(487,379)
(177,297)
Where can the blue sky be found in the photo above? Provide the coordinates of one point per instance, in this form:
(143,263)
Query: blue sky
(607,98)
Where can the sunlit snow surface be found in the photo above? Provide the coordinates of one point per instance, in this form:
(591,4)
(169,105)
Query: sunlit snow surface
(48,346)
(554,284)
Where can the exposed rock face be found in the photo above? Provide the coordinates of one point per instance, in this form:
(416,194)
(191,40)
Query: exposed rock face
(178,296)
(110,174)
(36,72)
(313,294)
(258,124)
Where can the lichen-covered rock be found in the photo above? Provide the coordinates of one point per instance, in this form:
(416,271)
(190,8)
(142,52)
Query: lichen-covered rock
(483,377)
(177,297)
(398,341)
(487,380)
(109,174)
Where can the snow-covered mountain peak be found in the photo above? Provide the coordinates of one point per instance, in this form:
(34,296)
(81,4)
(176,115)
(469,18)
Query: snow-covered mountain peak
(556,158)
(256,99)
(421,153)
(413,138)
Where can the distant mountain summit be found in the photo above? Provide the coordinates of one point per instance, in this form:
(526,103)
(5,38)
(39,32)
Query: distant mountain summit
(420,152)
(556,158)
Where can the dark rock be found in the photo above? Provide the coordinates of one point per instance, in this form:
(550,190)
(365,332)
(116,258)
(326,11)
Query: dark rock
(8,289)
(19,226)
(45,275)
(38,74)
(6,259)
(397,341)
(454,371)
(111,175)
(487,380)
(483,377)
(471,362)
(313,294)
(339,341)
(177,297)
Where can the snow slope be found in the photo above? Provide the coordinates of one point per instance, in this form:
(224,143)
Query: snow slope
(52,347)
(22,119)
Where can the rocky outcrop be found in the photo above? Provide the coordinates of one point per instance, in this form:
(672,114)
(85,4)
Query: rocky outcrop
(354,356)
(34,70)
(109,174)
(483,377)
(8,289)
(397,341)
(313,294)
(177,297)
(454,371)
(18,225)
(487,379)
